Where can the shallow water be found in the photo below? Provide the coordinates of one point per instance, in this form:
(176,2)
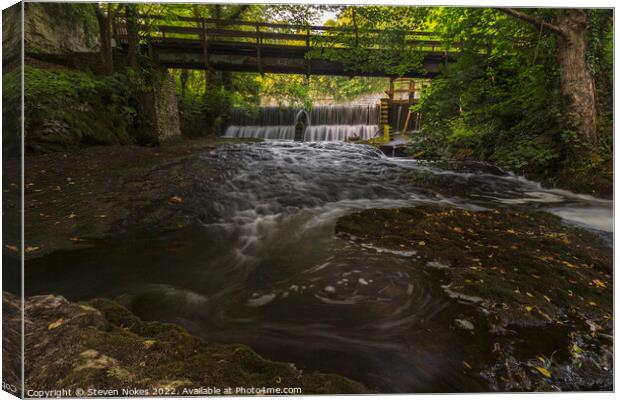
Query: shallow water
(264,267)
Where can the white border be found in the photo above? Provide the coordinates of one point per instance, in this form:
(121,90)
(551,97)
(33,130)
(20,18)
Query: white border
(522,3)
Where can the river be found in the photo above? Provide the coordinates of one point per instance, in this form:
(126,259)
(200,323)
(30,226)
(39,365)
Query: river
(264,268)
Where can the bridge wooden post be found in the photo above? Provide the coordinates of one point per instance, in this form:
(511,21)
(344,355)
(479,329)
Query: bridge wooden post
(205,45)
(259,57)
(307,61)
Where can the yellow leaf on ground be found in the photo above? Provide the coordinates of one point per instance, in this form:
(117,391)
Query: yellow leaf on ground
(544,371)
(422,243)
(599,283)
(529,308)
(32,248)
(466,364)
(55,324)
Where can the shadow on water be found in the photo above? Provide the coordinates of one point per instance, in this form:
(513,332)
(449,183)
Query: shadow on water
(265,269)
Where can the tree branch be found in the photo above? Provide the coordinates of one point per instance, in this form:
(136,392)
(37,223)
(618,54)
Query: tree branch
(532,20)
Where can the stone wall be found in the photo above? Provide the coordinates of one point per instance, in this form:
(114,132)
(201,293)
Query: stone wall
(167,109)
(160,112)
(11,36)
(60,29)
(66,37)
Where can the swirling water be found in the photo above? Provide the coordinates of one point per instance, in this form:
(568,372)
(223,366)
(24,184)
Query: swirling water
(263,266)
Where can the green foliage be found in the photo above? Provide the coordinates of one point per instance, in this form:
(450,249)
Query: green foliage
(64,109)
(345,88)
(501,101)
(11,111)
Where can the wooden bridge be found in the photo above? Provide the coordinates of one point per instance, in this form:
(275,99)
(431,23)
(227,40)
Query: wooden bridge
(243,46)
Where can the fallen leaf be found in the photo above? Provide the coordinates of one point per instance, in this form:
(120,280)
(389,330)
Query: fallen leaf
(176,200)
(422,243)
(11,247)
(466,364)
(71,216)
(569,265)
(599,283)
(32,248)
(529,308)
(55,324)
(544,371)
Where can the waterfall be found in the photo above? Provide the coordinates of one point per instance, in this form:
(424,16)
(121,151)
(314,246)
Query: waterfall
(398,117)
(326,123)
(262,132)
(315,133)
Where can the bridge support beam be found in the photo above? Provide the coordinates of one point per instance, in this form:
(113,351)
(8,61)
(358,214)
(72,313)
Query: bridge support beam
(237,57)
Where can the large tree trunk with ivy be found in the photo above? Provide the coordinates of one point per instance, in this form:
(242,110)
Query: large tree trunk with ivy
(578,87)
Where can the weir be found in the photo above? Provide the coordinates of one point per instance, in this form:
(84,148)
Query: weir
(322,123)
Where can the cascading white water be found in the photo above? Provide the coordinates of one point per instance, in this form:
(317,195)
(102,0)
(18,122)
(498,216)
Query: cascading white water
(282,132)
(315,133)
(327,123)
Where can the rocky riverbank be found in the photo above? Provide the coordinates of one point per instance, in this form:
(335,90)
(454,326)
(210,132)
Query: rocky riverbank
(100,347)
(540,292)
(78,196)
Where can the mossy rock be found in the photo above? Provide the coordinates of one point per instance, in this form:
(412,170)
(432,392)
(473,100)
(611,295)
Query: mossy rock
(528,266)
(164,353)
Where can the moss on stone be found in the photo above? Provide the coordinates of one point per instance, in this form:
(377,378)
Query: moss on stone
(525,264)
(148,353)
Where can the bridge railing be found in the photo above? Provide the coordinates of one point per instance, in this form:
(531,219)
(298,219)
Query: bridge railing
(193,29)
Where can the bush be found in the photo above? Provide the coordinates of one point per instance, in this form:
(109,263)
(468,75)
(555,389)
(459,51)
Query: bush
(66,109)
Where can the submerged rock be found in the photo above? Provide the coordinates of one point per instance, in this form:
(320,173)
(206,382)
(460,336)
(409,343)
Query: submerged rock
(103,346)
(539,285)
(464,324)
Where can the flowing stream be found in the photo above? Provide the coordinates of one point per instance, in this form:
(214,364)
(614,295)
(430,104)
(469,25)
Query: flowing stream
(264,267)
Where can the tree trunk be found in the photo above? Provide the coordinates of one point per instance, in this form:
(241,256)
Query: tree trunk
(578,87)
(105,36)
(131,15)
